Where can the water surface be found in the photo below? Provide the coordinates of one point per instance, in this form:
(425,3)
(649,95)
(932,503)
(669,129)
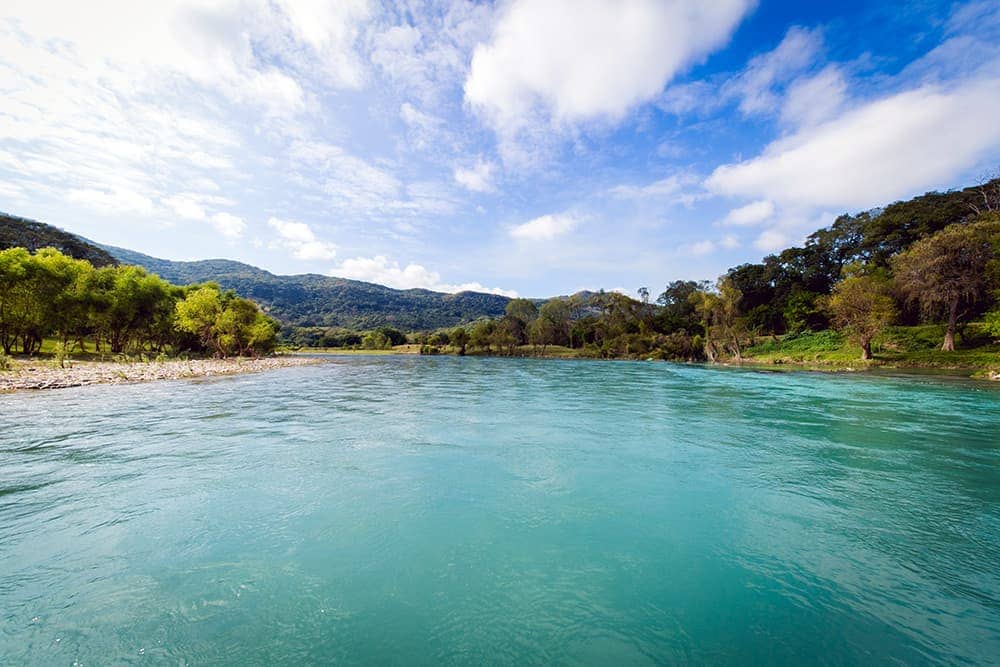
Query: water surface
(402,510)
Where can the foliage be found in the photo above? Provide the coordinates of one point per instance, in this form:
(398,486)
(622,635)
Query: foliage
(949,269)
(118,308)
(726,332)
(992,323)
(226,324)
(862,306)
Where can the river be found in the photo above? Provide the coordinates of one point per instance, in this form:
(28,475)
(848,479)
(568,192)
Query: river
(415,510)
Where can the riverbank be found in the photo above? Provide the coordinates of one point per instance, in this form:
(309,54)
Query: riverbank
(33,374)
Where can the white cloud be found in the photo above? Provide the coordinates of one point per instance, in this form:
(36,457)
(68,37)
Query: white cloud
(701,248)
(755,86)
(575,60)
(544,228)
(753,213)
(382,271)
(185,207)
(882,151)
(478,178)
(300,239)
(115,201)
(730,242)
(771,240)
(676,188)
(331,29)
(812,100)
(229,225)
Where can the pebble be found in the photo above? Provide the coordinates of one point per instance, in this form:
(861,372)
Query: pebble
(34,374)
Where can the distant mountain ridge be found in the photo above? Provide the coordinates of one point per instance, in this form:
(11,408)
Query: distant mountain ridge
(307,300)
(311,300)
(18,232)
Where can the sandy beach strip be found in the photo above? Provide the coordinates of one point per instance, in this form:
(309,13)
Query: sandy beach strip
(33,374)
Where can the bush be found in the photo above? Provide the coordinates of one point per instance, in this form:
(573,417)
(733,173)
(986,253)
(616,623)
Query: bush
(5,362)
(991,323)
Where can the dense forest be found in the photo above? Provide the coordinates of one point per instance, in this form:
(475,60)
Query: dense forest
(932,259)
(120,309)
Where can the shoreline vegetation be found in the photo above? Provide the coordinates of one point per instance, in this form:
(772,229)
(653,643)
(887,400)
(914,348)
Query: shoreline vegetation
(913,285)
(978,367)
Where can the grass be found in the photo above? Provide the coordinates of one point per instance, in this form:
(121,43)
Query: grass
(901,347)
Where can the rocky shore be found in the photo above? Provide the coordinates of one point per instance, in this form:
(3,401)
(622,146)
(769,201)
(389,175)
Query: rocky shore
(26,374)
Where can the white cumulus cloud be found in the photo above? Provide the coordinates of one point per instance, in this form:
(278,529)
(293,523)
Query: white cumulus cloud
(544,228)
(301,240)
(383,271)
(753,213)
(881,151)
(576,60)
(228,224)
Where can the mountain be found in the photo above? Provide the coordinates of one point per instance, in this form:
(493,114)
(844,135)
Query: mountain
(314,300)
(16,232)
(298,300)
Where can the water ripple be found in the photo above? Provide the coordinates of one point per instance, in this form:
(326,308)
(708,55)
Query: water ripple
(444,510)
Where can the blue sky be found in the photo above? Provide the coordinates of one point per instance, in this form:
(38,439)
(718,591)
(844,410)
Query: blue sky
(535,147)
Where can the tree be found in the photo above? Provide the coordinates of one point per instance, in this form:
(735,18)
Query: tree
(482,334)
(15,289)
(552,325)
(197,314)
(376,340)
(460,338)
(946,270)
(523,310)
(862,305)
(725,329)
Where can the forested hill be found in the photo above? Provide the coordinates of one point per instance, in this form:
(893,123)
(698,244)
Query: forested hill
(18,232)
(312,300)
(301,300)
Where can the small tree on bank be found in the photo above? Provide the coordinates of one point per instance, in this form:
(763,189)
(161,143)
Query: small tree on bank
(862,306)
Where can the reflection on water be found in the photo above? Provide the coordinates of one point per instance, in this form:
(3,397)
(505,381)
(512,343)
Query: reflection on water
(429,510)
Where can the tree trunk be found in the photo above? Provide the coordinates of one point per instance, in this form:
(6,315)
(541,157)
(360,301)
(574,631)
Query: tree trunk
(949,334)
(866,350)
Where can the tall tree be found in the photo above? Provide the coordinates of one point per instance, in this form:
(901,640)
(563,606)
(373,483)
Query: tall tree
(948,270)
(725,330)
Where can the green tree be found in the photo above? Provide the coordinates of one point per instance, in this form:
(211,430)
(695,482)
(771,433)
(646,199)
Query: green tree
(15,290)
(949,269)
(460,339)
(726,331)
(481,335)
(862,306)
(198,313)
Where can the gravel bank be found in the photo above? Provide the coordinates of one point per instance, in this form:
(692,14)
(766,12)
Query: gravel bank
(44,374)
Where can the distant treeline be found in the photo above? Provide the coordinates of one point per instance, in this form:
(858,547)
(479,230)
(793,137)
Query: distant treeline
(120,309)
(930,259)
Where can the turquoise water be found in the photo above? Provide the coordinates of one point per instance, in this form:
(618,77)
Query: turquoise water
(403,510)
